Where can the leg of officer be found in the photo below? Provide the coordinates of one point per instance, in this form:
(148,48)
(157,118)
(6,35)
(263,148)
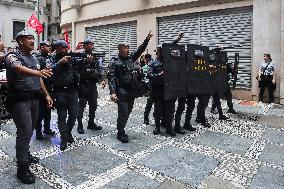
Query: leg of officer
(190,102)
(47,119)
(229,98)
(123,114)
(93,104)
(217,101)
(159,107)
(25,115)
(72,113)
(214,106)
(39,135)
(169,116)
(148,108)
(181,107)
(82,105)
(201,107)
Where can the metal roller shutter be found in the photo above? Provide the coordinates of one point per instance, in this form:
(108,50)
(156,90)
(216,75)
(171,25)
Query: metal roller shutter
(224,27)
(107,38)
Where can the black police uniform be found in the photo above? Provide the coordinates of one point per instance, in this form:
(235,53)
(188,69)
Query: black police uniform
(121,76)
(44,110)
(65,83)
(216,103)
(91,73)
(23,95)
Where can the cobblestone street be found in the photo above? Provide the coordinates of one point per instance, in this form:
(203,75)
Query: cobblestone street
(244,152)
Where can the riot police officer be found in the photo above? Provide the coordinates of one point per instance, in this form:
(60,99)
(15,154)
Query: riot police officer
(24,85)
(44,110)
(150,102)
(91,73)
(122,76)
(65,83)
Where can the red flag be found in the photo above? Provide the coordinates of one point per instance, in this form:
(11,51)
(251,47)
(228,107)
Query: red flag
(66,37)
(34,23)
(80,45)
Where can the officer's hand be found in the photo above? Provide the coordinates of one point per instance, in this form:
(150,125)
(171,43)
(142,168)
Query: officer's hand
(273,81)
(103,84)
(180,35)
(90,58)
(150,35)
(65,59)
(45,73)
(113,97)
(49,101)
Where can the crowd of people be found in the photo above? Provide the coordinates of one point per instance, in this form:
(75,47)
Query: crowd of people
(39,81)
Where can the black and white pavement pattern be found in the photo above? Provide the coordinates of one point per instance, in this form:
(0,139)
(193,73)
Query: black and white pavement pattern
(241,151)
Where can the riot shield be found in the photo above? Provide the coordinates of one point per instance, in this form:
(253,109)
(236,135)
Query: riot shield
(198,75)
(174,60)
(218,71)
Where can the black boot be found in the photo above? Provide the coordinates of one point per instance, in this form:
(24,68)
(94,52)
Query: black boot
(63,143)
(189,127)
(80,129)
(39,135)
(171,132)
(179,130)
(122,137)
(24,174)
(49,132)
(70,138)
(205,124)
(222,117)
(32,159)
(93,126)
(213,111)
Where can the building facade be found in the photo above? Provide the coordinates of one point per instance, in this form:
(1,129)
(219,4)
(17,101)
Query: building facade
(54,15)
(256,25)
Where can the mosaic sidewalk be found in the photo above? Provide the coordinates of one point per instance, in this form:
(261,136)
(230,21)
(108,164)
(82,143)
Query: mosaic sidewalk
(241,152)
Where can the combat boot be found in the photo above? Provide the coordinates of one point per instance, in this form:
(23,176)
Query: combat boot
(93,126)
(49,132)
(63,143)
(171,132)
(24,174)
(189,127)
(222,117)
(39,135)
(179,130)
(80,129)
(146,121)
(122,137)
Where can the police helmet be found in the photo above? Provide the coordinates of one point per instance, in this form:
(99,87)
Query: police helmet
(87,41)
(47,43)
(61,43)
(23,34)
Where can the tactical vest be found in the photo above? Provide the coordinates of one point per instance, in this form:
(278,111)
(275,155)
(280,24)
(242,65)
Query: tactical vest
(19,82)
(89,71)
(65,75)
(125,72)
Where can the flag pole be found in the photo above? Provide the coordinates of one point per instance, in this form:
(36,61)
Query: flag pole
(38,14)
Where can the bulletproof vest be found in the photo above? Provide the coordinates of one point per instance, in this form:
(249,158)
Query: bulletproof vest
(21,82)
(65,74)
(89,71)
(125,72)
(41,59)
(157,69)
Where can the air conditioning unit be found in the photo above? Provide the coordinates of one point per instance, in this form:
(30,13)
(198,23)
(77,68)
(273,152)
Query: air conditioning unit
(75,4)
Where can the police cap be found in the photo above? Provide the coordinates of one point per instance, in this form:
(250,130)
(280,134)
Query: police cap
(44,43)
(87,41)
(123,45)
(23,34)
(61,43)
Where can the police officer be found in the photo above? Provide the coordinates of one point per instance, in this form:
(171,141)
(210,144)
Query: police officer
(228,94)
(65,85)
(24,85)
(150,102)
(91,73)
(121,75)
(44,110)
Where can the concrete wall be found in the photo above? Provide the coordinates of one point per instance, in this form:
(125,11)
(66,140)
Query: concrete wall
(268,27)
(267,39)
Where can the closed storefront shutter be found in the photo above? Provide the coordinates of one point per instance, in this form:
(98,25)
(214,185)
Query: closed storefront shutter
(223,27)
(107,38)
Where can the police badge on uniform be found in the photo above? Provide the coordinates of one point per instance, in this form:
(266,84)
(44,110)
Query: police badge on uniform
(38,66)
